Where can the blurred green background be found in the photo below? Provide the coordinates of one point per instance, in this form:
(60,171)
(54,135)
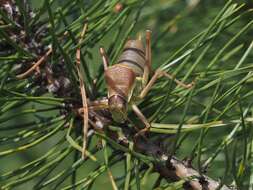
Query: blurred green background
(173,24)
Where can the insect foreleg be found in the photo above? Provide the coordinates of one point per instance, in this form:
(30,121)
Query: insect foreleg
(95,106)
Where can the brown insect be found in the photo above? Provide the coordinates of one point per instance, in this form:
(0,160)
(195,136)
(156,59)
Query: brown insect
(128,81)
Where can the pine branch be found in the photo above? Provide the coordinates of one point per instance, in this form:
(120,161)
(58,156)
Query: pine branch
(41,108)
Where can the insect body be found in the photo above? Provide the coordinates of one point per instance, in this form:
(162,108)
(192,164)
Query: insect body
(127,80)
(127,83)
(124,79)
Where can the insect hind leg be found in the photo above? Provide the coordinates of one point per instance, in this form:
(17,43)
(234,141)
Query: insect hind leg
(147,67)
(158,74)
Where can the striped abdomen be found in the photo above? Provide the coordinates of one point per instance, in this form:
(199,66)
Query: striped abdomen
(120,77)
(133,56)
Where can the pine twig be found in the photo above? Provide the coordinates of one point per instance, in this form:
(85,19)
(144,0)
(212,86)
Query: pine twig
(35,65)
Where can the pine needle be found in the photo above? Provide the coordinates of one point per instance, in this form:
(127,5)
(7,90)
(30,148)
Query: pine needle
(83,92)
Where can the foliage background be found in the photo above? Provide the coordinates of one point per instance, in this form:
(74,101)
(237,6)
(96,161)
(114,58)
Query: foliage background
(222,92)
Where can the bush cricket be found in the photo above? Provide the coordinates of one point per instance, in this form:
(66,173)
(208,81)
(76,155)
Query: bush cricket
(128,81)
